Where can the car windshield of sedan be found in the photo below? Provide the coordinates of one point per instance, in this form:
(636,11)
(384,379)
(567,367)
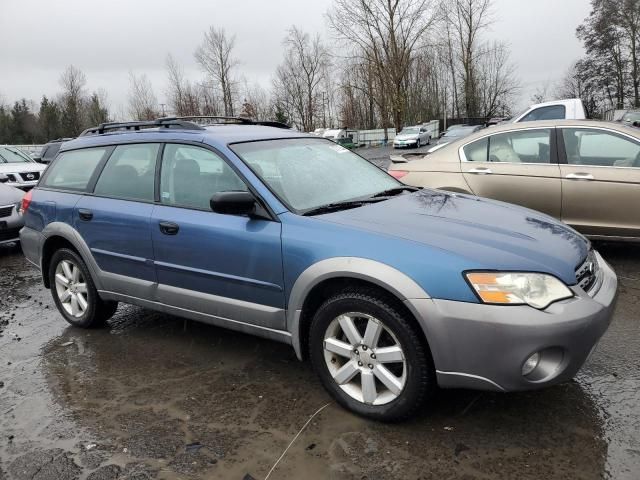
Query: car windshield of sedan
(11,155)
(309,173)
(410,131)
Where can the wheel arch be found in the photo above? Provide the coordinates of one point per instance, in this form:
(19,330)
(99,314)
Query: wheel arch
(327,276)
(62,235)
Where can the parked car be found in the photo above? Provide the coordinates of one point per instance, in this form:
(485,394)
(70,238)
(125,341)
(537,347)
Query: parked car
(631,118)
(390,290)
(415,136)
(569,109)
(17,169)
(10,218)
(454,133)
(50,150)
(586,174)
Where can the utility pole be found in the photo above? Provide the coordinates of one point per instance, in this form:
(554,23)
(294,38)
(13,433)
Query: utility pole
(162,105)
(324,110)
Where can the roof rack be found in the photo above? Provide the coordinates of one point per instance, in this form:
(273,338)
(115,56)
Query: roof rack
(166,122)
(207,120)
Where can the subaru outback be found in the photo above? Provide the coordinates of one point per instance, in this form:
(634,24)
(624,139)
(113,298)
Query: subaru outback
(390,290)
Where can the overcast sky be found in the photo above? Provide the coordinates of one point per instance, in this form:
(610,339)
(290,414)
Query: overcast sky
(107,39)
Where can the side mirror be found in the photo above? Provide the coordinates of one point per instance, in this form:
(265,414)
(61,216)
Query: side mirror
(3,178)
(233,203)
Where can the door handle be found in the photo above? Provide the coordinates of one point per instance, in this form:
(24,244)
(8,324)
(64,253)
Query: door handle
(579,176)
(85,214)
(481,171)
(169,228)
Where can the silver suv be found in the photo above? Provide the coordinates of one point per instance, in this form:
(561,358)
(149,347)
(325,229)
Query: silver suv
(17,169)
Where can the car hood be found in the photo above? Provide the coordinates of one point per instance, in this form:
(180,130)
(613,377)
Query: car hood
(411,136)
(21,167)
(490,234)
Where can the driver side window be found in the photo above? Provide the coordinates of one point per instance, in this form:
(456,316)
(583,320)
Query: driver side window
(191,175)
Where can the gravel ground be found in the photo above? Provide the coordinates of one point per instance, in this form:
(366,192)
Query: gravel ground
(154,396)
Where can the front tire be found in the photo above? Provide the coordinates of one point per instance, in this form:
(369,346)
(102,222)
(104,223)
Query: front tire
(370,357)
(74,292)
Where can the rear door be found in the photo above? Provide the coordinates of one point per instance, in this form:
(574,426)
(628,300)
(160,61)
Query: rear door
(600,181)
(518,167)
(114,221)
(226,266)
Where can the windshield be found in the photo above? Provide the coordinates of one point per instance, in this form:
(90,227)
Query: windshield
(308,173)
(13,155)
(410,131)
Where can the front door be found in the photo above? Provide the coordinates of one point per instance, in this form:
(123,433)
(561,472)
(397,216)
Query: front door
(601,182)
(517,167)
(114,221)
(226,266)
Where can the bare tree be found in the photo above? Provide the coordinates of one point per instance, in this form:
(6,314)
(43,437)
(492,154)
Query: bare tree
(215,56)
(143,104)
(185,98)
(73,82)
(467,19)
(386,33)
(497,83)
(298,80)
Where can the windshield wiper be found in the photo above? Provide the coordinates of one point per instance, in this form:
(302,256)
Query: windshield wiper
(395,191)
(334,207)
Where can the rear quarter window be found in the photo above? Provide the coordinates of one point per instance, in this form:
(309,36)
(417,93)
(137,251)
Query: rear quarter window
(73,170)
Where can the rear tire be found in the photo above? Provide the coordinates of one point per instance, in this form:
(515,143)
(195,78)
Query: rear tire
(74,292)
(382,368)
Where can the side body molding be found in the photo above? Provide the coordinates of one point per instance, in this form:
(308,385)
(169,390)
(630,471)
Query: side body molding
(378,273)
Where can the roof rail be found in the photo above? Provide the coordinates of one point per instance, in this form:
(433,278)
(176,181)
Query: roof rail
(205,120)
(166,122)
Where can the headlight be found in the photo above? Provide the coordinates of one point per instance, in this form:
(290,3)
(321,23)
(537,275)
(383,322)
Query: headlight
(510,288)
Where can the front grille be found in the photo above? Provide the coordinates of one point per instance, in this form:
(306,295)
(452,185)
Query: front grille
(9,234)
(30,176)
(587,272)
(5,211)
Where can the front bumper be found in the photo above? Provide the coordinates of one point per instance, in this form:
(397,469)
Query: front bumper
(404,143)
(485,346)
(10,228)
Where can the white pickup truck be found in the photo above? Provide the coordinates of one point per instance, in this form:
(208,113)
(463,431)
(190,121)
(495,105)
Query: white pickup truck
(570,109)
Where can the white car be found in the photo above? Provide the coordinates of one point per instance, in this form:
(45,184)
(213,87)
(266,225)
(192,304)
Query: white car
(17,169)
(415,136)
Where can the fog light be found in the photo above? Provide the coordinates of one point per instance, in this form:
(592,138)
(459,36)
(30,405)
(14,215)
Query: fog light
(531,364)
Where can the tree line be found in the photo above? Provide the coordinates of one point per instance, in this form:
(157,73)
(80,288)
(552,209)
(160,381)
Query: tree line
(390,63)
(608,75)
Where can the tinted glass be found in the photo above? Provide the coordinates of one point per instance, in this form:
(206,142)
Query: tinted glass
(552,112)
(527,146)
(191,175)
(129,172)
(73,170)
(51,151)
(477,151)
(600,148)
(307,173)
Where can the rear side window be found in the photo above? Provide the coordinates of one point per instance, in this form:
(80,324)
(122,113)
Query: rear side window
(73,170)
(552,112)
(477,151)
(130,173)
(51,151)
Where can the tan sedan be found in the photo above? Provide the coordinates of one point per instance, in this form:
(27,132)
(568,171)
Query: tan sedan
(585,173)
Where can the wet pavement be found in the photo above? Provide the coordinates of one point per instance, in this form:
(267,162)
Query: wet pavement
(154,396)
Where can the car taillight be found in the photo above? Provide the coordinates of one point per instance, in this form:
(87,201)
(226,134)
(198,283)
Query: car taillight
(398,173)
(26,201)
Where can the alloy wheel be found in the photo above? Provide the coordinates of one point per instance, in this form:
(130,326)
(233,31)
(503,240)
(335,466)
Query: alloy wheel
(365,358)
(71,288)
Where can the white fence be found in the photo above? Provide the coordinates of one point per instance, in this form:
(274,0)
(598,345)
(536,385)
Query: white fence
(372,138)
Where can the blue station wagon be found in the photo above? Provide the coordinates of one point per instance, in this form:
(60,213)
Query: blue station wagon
(390,290)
